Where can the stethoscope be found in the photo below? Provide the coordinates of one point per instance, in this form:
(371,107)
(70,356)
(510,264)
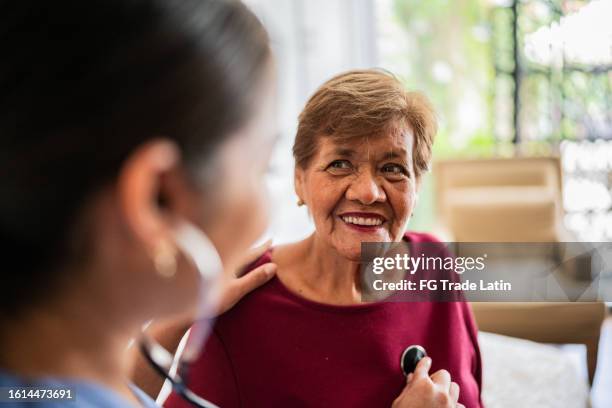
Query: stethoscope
(196,246)
(411,357)
(162,361)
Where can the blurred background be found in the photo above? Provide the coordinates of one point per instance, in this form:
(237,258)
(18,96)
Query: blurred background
(523,90)
(531,78)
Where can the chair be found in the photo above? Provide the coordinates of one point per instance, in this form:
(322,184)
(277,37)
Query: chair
(515,200)
(500,200)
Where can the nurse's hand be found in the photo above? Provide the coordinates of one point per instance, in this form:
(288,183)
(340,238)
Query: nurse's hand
(239,283)
(423,391)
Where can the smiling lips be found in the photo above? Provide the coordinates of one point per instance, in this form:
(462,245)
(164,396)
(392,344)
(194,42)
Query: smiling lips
(362,221)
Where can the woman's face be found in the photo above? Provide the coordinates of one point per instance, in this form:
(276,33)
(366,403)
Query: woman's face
(361,191)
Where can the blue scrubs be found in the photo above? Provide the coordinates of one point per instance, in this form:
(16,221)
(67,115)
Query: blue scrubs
(86,394)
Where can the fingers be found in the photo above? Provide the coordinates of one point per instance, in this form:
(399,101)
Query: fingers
(454,392)
(422,368)
(252,255)
(423,390)
(253,279)
(442,378)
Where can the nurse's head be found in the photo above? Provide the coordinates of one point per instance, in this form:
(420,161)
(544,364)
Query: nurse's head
(121,120)
(362,146)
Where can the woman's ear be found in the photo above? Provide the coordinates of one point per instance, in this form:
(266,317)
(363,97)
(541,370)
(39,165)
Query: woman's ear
(298,182)
(139,186)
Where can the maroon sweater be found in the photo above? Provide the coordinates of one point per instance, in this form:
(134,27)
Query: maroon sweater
(278,349)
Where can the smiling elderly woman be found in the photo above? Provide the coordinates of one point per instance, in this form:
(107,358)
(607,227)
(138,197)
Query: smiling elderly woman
(305,339)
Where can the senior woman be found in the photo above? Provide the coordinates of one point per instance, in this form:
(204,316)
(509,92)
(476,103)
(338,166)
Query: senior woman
(305,339)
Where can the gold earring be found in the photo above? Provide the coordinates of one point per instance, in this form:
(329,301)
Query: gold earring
(300,202)
(164,259)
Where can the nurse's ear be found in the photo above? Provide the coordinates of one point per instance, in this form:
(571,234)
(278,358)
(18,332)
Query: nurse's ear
(150,194)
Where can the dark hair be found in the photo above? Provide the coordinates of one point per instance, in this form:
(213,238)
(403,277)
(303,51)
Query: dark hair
(83,84)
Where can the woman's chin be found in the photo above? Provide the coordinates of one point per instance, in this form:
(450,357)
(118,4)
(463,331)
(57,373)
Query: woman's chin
(347,242)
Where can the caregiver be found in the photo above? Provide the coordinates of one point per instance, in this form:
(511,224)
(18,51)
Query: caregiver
(121,126)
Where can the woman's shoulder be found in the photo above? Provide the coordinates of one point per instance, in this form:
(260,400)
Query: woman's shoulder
(263,259)
(283,256)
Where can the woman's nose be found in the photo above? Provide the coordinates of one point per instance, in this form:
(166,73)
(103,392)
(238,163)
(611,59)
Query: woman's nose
(365,189)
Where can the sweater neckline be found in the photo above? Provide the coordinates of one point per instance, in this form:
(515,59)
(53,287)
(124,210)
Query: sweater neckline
(328,307)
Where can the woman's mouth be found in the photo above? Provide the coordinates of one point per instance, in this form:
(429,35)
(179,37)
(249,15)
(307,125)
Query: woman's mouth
(365,222)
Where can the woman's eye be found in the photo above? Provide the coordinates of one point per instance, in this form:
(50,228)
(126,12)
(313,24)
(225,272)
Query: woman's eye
(394,170)
(340,165)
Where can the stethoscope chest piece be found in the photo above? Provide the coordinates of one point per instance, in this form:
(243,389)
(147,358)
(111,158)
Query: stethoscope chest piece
(411,357)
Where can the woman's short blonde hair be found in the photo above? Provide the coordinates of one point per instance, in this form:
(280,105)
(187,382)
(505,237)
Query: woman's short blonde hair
(362,103)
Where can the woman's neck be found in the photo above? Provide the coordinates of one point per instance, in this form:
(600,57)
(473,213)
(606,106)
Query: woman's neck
(321,274)
(71,340)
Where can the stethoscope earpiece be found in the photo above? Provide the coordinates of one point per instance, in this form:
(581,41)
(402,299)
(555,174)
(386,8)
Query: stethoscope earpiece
(411,357)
